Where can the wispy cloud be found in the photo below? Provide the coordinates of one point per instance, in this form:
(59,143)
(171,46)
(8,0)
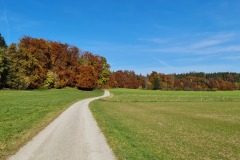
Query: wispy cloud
(204,53)
(5,17)
(161,62)
(193,51)
(214,40)
(5,13)
(207,45)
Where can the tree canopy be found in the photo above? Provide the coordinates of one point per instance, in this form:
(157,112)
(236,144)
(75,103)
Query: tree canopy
(34,63)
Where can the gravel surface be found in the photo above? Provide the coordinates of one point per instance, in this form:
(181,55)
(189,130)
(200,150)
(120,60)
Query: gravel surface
(74,135)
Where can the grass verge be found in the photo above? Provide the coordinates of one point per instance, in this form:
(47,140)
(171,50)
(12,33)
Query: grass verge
(24,113)
(156,125)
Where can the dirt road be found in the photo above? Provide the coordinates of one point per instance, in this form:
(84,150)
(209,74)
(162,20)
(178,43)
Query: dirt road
(74,135)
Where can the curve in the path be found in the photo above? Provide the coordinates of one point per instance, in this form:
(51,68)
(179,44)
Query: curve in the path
(74,135)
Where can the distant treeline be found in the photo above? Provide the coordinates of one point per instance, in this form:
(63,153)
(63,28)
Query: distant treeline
(189,81)
(37,63)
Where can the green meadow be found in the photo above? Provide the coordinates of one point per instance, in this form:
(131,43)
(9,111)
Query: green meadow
(154,125)
(24,113)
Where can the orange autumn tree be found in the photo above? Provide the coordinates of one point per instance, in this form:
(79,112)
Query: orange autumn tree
(93,71)
(35,54)
(87,79)
(64,64)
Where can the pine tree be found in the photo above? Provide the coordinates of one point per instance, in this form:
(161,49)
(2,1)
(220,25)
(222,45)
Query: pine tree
(2,42)
(3,62)
(156,84)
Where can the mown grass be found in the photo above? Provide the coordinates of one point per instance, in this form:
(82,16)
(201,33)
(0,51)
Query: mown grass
(157,125)
(25,113)
(123,95)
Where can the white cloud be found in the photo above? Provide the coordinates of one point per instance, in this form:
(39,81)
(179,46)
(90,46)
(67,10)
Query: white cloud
(190,53)
(206,43)
(214,40)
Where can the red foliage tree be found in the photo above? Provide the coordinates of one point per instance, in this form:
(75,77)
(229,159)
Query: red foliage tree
(87,79)
(64,62)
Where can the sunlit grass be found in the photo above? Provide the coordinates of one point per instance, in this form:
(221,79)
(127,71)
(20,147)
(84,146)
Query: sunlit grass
(25,113)
(139,127)
(124,95)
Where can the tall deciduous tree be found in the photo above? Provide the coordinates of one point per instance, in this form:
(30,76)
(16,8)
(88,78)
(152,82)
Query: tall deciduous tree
(36,54)
(64,63)
(17,76)
(98,71)
(105,72)
(87,79)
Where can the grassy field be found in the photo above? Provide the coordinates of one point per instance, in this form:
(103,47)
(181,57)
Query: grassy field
(25,113)
(153,125)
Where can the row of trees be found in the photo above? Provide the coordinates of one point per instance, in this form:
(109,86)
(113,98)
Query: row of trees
(34,63)
(190,81)
(209,81)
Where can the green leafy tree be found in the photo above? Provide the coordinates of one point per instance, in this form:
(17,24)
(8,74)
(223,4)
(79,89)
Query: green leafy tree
(51,80)
(17,77)
(104,77)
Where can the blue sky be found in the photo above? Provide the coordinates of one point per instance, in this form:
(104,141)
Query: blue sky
(167,36)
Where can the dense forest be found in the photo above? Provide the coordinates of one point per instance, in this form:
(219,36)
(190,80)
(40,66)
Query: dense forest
(38,63)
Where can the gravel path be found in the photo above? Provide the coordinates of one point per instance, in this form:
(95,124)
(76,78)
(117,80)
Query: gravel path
(74,135)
